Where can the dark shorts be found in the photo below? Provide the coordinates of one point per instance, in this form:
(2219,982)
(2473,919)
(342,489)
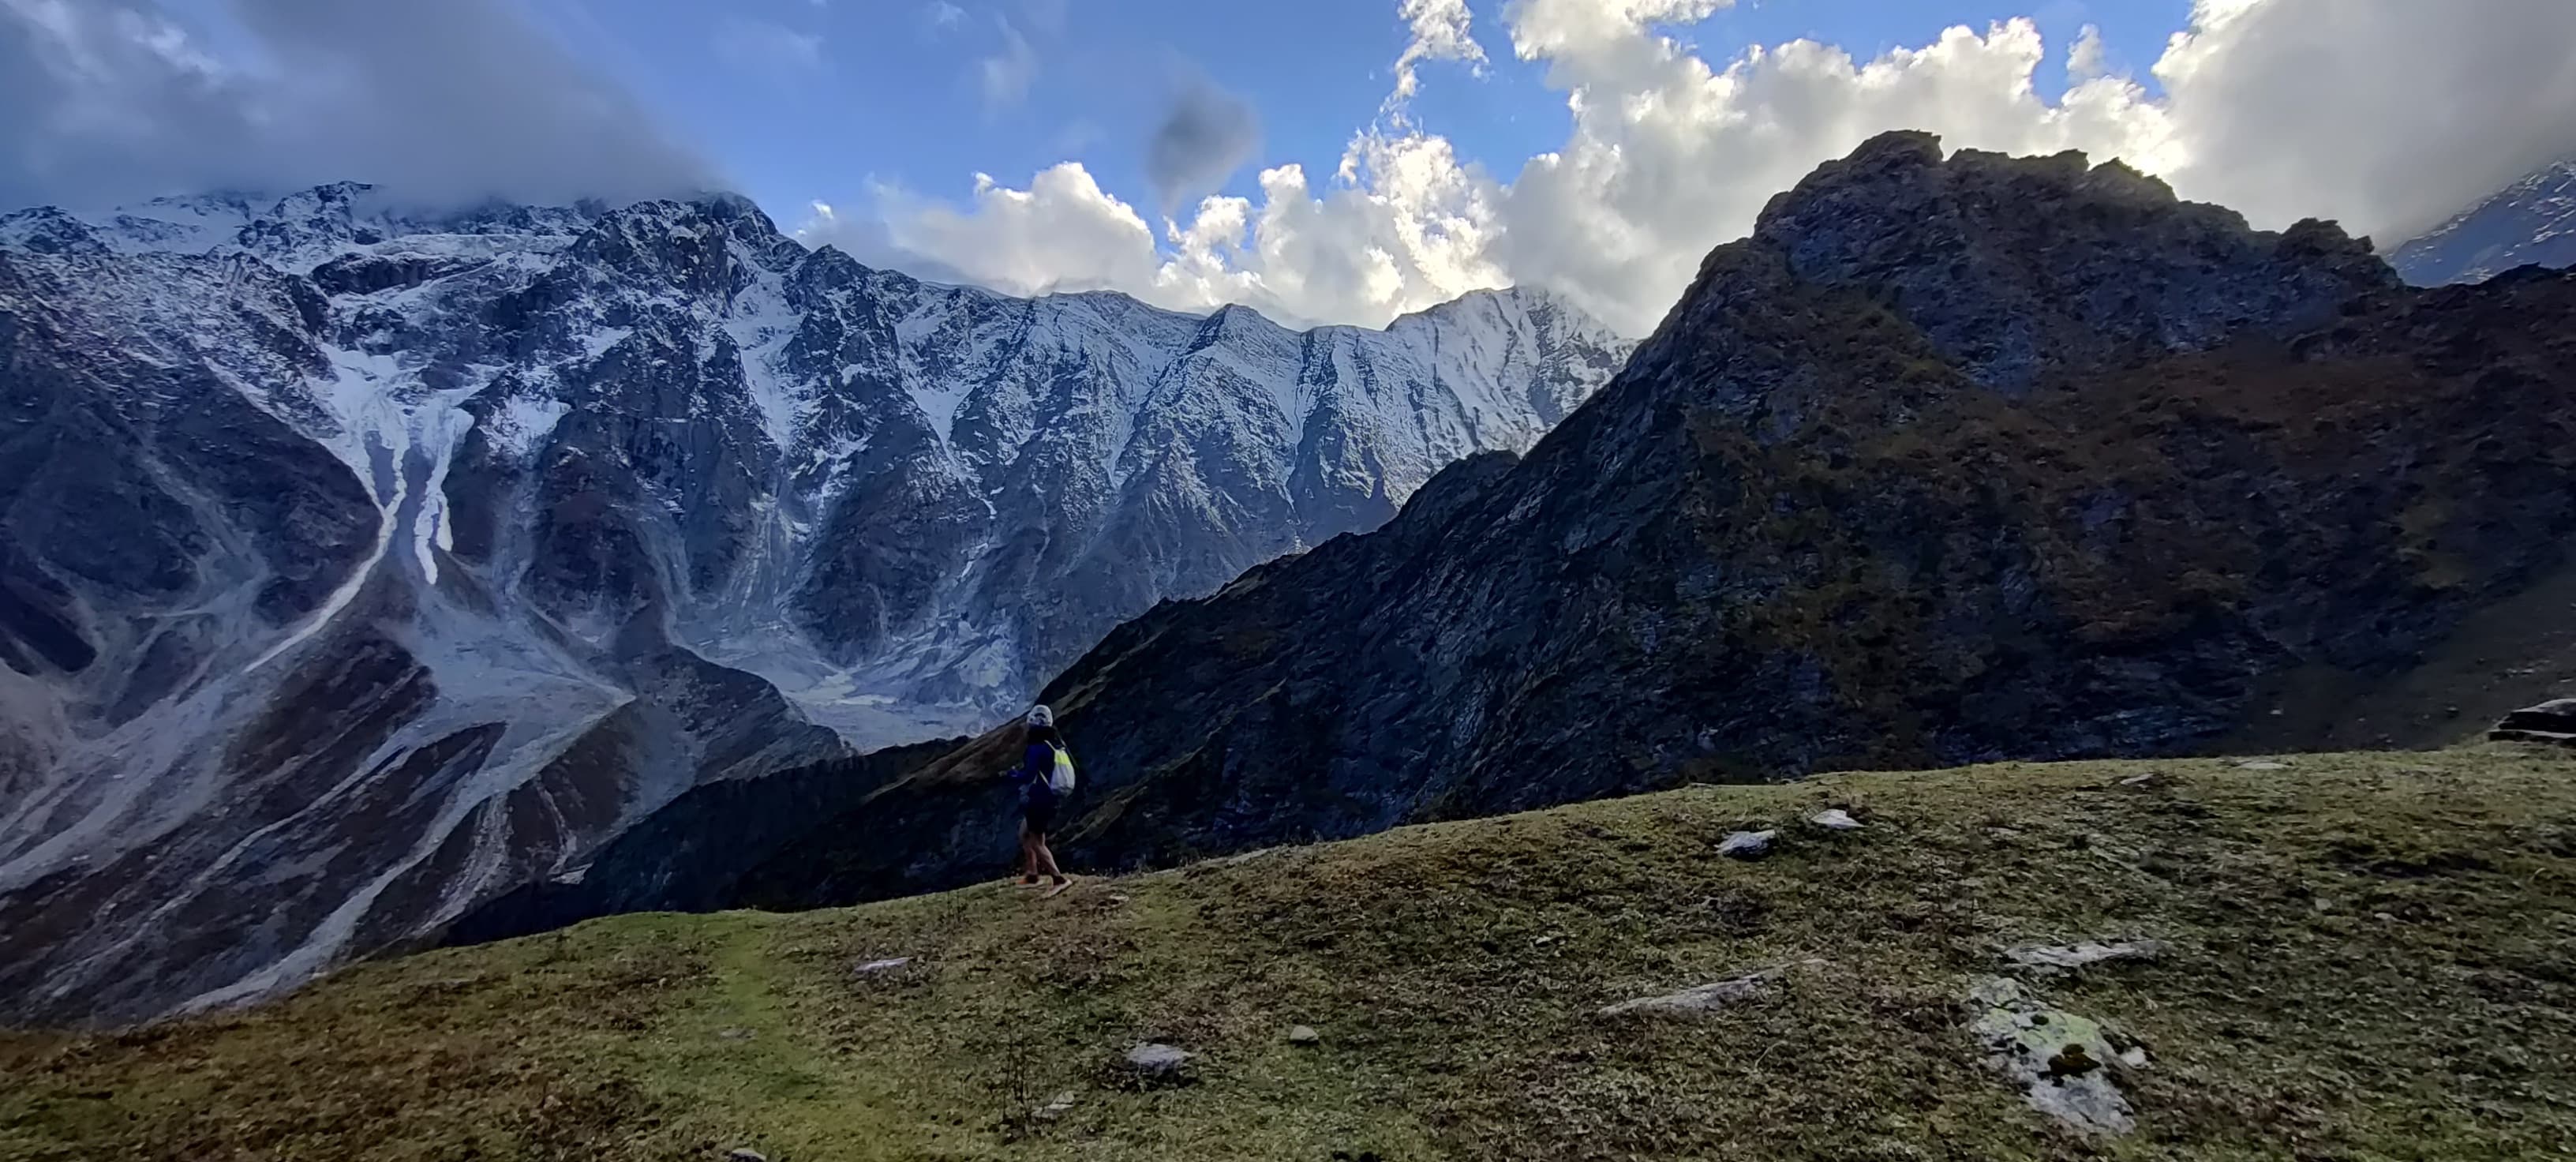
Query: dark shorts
(1039,816)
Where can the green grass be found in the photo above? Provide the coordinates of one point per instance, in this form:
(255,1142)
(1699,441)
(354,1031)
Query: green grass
(2374,957)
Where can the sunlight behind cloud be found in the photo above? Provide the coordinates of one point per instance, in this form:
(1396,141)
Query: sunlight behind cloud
(2281,108)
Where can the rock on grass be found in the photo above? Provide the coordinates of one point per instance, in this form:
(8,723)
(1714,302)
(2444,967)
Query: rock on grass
(1704,998)
(1747,844)
(2065,1064)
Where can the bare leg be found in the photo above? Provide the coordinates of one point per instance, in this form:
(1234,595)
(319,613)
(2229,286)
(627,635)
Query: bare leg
(1028,854)
(1046,860)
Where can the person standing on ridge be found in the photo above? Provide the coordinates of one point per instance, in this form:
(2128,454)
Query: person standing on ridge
(1045,776)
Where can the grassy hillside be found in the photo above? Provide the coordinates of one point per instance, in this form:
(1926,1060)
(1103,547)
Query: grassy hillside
(2369,957)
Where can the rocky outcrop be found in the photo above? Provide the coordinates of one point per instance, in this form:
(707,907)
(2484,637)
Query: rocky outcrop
(692,854)
(2553,721)
(1953,460)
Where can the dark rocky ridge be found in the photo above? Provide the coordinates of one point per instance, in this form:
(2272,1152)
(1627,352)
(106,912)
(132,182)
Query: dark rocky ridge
(1952,460)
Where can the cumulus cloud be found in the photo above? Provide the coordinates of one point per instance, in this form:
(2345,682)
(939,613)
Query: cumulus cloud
(1063,233)
(2389,116)
(1005,76)
(2281,108)
(766,47)
(1440,33)
(2090,58)
(110,100)
(1204,136)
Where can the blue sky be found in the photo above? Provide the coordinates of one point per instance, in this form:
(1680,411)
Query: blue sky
(1637,135)
(893,93)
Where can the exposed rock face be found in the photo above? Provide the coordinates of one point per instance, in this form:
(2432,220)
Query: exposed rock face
(1951,461)
(692,854)
(2531,222)
(358,566)
(2553,721)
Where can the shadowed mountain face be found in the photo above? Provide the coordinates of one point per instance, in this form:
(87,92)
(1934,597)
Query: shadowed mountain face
(1952,460)
(357,567)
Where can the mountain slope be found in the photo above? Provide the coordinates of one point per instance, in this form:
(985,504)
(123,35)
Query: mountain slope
(2531,222)
(2364,956)
(362,564)
(1952,460)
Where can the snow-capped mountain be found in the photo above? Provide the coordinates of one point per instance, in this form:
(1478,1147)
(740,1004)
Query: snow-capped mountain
(356,564)
(2531,222)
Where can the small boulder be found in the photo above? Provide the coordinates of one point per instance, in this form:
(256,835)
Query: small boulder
(1056,1107)
(1155,1059)
(1303,1035)
(1747,844)
(888,964)
(2262,765)
(746,1154)
(1707,997)
(2553,721)
(1834,819)
(2070,957)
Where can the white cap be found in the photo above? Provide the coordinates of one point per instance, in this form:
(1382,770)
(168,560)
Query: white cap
(1041,716)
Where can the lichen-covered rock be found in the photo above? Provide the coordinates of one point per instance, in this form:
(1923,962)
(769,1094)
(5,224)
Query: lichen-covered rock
(2066,1065)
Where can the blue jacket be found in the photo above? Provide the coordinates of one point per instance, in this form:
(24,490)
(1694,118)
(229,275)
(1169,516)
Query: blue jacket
(1037,765)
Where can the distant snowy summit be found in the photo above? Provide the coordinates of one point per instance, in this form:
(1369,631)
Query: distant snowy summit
(2531,222)
(451,543)
(1058,464)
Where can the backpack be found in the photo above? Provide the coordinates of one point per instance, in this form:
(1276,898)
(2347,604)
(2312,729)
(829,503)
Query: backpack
(1060,780)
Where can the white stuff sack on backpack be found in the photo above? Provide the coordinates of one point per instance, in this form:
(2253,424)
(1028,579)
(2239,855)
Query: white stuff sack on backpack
(1060,780)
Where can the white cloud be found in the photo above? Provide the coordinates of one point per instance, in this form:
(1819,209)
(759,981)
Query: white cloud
(2090,58)
(1063,233)
(765,47)
(2281,108)
(1440,32)
(111,100)
(1006,75)
(943,16)
(2387,115)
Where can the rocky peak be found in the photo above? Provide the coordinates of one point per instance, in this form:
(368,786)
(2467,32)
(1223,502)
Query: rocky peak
(686,246)
(46,230)
(2531,222)
(324,218)
(1233,321)
(2013,266)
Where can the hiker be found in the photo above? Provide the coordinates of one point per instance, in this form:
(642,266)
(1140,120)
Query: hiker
(1045,776)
